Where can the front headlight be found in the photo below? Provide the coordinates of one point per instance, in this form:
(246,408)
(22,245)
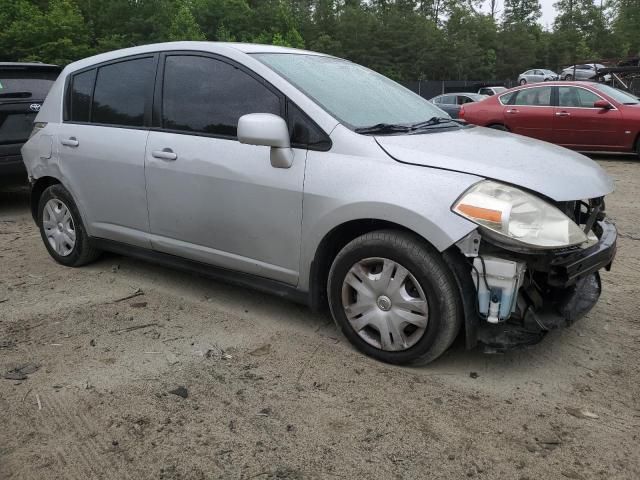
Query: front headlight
(518,216)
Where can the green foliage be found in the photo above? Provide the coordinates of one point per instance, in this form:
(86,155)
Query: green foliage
(405,39)
(184,25)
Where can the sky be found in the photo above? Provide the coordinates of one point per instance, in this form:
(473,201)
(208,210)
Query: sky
(548,12)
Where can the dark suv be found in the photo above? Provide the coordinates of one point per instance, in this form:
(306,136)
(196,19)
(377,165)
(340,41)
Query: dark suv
(23,88)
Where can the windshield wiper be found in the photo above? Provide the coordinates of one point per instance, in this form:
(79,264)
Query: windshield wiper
(435,121)
(384,128)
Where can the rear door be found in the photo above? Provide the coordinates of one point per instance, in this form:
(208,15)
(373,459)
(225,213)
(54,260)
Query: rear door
(577,124)
(102,143)
(530,112)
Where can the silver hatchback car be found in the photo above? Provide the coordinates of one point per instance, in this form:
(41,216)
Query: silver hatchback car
(320,180)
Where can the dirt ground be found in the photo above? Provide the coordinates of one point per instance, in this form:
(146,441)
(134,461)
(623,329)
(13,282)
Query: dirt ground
(275,392)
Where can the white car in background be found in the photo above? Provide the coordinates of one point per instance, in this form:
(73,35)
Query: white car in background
(490,91)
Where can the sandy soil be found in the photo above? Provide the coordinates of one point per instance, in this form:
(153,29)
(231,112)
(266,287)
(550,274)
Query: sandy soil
(275,392)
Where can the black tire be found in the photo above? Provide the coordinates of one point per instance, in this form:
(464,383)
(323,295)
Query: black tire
(523,81)
(568,78)
(82,251)
(434,277)
(497,126)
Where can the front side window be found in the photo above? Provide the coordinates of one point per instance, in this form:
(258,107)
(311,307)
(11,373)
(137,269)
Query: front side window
(204,95)
(534,97)
(354,95)
(81,92)
(121,92)
(576,97)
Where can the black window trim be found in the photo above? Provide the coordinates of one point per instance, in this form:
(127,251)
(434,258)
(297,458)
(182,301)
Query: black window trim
(514,95)
(152,117)
(156,117)
(148,99)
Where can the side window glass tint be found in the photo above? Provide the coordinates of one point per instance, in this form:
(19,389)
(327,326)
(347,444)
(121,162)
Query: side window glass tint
(535,97)
(304,133)
(81,91)
(508,98)
(121,92)
(576,97)
(587,98)
(205,95)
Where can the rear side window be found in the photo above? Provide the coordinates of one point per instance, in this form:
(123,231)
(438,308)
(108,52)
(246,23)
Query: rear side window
(507,98)
(535,97)
(121,92)
(81,91)
(205,95)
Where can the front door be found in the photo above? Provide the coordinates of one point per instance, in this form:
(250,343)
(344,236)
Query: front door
(577,124)
(211,198)
(530,113)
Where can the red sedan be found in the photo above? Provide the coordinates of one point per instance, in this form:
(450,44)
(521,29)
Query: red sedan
(578,115)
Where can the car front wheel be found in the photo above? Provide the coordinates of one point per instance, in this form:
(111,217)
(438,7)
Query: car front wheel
(62,229)
(523,82)
(394,298)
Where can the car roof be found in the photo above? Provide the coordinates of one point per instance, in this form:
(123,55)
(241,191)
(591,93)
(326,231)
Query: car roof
(221,48)
(556,83)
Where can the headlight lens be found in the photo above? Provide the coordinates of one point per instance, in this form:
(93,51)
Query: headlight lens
(518,215)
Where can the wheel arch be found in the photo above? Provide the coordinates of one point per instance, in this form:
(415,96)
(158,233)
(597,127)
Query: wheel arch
(37,189)
(334,241)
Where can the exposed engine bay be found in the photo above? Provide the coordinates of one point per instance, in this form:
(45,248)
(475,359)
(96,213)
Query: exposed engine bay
(519,295)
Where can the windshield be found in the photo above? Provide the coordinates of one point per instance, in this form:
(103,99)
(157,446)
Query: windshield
(499,89)
(355,95)
(617,95)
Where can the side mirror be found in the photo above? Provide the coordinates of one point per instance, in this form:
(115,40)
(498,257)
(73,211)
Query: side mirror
(603,104)
(267,130)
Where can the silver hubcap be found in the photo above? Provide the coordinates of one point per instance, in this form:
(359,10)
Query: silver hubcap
(58,227)
(385,304)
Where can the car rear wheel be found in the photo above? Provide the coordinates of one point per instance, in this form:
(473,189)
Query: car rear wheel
(62,230)
(394,298)
(523,81)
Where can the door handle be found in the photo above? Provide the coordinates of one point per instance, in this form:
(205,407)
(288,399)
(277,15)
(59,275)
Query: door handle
(70,142)
(563,114)
(512,110)
(164,154)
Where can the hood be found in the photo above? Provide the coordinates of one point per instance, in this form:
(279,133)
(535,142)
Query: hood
(553,171)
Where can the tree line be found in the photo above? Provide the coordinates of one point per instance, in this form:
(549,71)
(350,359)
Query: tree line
(404,39)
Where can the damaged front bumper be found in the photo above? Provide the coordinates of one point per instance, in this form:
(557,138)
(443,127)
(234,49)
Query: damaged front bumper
(556,289)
